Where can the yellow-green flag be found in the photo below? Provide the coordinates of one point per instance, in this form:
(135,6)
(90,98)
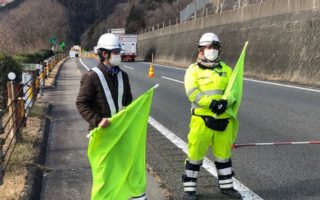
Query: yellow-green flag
(233,91)
(117,153)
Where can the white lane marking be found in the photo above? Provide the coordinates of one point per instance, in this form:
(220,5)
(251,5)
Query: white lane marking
(282,85)
(246,193)
(171,79)
(258,81)
(85,66)
(166,66)
(128,67)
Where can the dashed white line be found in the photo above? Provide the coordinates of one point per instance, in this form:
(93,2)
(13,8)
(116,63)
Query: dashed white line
(171,79)
(87,68)
(166,66)
(246,193)
(128,67)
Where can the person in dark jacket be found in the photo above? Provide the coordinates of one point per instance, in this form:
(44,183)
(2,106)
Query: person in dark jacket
(105,89)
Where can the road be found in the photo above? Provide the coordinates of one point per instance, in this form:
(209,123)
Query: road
(68,174)
(269,113)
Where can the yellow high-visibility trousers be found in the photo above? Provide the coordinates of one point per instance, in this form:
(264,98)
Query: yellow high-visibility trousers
(201,137)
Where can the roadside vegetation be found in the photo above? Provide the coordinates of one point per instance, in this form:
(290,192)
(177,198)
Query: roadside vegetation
(134,15)
(12,63)
(23,156)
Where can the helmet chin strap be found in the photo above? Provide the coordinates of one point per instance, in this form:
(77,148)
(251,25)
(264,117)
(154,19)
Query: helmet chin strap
(107,64)
(105,61)
(207,63)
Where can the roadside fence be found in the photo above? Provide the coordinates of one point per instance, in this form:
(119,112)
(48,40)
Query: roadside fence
(21,99)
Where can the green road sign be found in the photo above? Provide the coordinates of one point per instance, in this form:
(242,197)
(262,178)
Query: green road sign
(29,67)
(53,40)
(62,45)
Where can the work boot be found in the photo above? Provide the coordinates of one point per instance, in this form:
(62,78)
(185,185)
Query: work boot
(231,193)
(189,196)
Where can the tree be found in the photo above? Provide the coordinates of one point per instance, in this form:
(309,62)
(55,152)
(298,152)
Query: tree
(135,21)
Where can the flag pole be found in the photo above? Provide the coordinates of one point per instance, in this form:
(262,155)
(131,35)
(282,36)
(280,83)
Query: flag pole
(156,86)
(235,146)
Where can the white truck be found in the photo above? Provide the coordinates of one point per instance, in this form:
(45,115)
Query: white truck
(128,44)
(129,47)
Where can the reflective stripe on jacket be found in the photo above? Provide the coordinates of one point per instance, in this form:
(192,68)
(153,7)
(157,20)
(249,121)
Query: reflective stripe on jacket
(202,85)
(91,100)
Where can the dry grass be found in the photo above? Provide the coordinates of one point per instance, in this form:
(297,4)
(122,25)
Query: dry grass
(49,82)
(23,154)
(165,191)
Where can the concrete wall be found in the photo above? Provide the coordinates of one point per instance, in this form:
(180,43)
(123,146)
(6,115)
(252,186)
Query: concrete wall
(283,35)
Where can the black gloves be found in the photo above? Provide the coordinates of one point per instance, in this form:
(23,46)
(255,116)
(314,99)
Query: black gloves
(218,107)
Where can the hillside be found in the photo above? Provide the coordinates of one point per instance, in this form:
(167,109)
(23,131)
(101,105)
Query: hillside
(134,15)
(83,13)
(28,26)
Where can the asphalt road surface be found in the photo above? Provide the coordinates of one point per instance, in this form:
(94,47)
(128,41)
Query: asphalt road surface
(269,113)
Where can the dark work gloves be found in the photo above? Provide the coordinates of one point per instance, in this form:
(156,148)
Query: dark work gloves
(218,107)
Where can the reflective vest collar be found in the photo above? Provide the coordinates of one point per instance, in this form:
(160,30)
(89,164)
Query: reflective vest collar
(107,92)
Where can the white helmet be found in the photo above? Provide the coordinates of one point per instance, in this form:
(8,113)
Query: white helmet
(208,39)
(109,41)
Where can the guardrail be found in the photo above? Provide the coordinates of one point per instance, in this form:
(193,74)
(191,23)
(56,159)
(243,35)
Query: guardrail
(89,55)
(21,99)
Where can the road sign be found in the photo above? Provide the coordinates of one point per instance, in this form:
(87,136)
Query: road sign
(53,40)
(29,67)
(62,45)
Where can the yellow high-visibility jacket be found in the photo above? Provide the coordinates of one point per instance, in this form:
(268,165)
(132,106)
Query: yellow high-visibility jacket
(203,85)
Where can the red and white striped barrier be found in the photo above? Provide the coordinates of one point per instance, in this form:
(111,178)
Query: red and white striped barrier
(235,146)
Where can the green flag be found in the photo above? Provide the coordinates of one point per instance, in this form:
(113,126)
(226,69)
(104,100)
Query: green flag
(233,91)
(117,153)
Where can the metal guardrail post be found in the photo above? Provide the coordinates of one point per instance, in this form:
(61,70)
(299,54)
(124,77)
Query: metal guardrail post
(1,149)
(12,112)
(47,69)
(1,126)
(1,163)
(21,112)
(42,83)
(50,65)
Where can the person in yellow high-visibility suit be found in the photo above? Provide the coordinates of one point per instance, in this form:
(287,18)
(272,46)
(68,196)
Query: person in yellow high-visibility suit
(205,82)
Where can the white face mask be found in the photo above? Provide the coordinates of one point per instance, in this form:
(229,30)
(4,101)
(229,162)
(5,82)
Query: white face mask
(211,54)
(115,60)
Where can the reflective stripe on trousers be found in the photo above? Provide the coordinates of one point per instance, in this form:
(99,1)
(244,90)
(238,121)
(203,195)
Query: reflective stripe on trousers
(142,197)
(189,178)
(224,170)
